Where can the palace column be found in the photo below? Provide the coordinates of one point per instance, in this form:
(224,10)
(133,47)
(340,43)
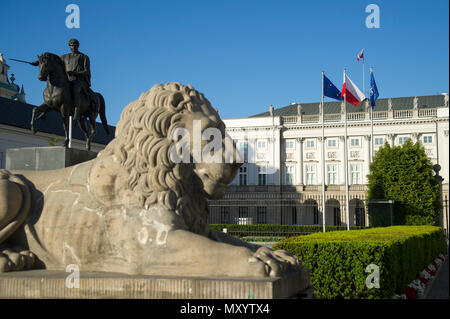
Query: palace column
(300,141)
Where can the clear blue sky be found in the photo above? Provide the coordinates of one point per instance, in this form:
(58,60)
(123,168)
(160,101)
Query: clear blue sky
(243,55)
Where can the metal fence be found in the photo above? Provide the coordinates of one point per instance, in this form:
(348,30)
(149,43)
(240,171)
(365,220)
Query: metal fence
(269,230)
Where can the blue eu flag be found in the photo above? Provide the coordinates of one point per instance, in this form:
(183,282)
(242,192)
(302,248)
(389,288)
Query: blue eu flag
(373,91)
(330,90)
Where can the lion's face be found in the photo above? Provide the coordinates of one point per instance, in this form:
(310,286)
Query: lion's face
(146,137)
(214,176)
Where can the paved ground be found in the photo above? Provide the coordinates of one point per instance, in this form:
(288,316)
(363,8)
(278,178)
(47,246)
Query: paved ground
(439,290)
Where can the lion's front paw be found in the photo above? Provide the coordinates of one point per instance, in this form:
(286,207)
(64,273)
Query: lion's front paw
(16,260)
(276,262)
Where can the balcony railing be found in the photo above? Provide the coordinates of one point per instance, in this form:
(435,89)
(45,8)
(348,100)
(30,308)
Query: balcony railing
(332,117)
(380,115)
(427,112)
(356,116)
(289,119)
(310,118)
(361,116)
(403,114)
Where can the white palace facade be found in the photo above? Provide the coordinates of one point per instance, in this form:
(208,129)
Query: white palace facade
(286,144)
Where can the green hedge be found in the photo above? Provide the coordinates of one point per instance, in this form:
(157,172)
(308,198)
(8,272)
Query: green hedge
(275,230)
(338,260)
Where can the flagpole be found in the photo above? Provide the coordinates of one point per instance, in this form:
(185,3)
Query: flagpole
(364,82)
(323,160)
(371,128)
(346,158)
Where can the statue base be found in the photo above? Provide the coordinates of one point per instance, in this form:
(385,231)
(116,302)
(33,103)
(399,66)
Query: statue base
(37,284)
(45,158)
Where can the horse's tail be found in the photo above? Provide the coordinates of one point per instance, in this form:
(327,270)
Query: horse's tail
(102,113)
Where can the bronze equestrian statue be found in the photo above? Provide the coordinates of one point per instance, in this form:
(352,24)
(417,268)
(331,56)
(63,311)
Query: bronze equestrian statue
(68,91)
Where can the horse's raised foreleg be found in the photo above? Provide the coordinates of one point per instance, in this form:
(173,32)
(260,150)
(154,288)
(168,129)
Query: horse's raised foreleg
(43,108)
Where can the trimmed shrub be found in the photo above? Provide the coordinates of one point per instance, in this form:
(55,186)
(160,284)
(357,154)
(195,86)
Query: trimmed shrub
(405,174)
(338,260)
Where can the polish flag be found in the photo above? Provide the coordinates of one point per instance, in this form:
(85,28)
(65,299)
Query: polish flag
(360,55)
(353,95)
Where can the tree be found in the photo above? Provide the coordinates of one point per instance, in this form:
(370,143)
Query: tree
(405,174)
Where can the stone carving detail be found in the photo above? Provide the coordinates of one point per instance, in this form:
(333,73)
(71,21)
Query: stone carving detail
(132,209)
(289,156)
(332,155)
(310,155)
(261,156)
(354,154)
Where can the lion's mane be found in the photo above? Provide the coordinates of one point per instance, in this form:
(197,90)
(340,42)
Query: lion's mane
(142,145)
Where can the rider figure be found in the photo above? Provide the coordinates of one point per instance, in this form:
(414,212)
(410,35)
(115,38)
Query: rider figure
(78,71)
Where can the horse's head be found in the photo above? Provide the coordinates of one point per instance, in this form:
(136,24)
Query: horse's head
(48,64)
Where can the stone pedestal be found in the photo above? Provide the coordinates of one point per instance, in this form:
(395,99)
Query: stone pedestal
(36,284)
(45,158)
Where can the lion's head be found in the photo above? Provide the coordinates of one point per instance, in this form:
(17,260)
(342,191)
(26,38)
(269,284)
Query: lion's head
(143,146)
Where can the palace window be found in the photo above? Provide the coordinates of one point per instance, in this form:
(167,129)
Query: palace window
(337,216)
(354,141)
(316,215)
(289,175)
(360,219)
(310,174)
(332,174)
(290,144)
(427,139)
(332,142)
(243,150)
(379,141)
(261,216)
(262,145)
(355,173)
(310,143)
(402,140)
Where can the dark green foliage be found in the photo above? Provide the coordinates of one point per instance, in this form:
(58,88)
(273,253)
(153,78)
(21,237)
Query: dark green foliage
(405,174)
(338,260)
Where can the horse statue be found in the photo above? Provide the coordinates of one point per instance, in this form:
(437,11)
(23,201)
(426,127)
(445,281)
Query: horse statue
(58,97)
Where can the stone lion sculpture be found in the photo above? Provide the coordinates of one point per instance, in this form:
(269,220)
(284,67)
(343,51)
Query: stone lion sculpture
(132,209)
